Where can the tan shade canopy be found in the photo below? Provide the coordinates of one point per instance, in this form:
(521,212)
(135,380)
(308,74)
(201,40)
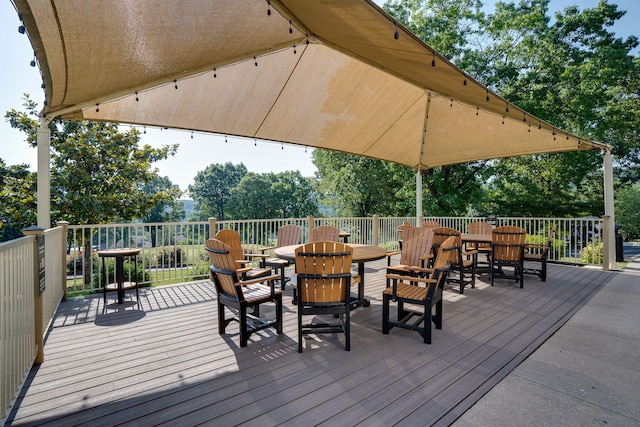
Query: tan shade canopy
(319,73)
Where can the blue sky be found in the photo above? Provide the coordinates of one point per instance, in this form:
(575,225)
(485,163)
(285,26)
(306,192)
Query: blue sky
(194,154)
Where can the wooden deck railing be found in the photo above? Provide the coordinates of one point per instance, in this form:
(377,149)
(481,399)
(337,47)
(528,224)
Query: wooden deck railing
(31,287)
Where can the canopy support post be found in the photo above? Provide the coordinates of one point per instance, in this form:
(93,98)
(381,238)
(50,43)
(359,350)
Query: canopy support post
(609,233)
(44,174)
(418,196)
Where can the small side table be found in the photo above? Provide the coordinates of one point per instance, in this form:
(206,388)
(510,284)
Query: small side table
(120,285)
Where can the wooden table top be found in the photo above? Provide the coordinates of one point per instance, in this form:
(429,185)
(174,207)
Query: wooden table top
(477,238)
(119,252)
(361,253)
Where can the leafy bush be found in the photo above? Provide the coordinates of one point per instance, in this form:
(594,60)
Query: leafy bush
(593,253)
(139,275)
(171,256)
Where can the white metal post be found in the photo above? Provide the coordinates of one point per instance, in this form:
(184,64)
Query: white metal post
(44,175)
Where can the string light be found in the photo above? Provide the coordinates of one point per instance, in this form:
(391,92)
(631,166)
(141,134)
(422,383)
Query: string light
(507,106)
(477,110)
(225,139)
(488,95)
(269,8)
(396,35)
(524,117)
(294,49)
(255,61)
(191,134)
(433,61)
(97,108)
(502,119)
(175,82)
(290,27)
(214,73)
(137,96)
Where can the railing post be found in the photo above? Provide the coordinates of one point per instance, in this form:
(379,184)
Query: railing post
(376,229)
(310,225)
(212,228)
(38,270)
(63,256)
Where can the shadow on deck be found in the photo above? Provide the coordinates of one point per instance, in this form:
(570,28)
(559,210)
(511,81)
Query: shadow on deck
(163,362)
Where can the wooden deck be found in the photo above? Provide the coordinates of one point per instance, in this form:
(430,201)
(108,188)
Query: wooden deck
(163,362)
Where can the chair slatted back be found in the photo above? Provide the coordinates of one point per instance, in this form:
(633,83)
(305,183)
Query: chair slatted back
(446,254)
(401,228)
(507,243)
(430,223)
(440,234)
(416,244)
(222,265)
(481,227)
(324,272)
(325,233)
(289,235)
(231,238)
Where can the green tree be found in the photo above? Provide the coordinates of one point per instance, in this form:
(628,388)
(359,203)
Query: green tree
(18,200)
(212,189)
(294,195)
(269,195)
(169,211)
(575,74)
(97,172)
(358,186)
(628,211)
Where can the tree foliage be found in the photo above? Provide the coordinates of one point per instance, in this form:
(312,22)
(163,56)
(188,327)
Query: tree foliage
(18,200)
(238,194)
(359,186)
(211,189)
(97,172)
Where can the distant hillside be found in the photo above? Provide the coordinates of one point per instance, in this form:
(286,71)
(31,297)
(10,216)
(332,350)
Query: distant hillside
(188,208)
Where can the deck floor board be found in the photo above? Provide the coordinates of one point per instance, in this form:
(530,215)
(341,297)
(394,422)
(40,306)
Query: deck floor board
(160,360)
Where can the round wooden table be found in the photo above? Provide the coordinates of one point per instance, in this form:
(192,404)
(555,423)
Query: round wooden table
(120,285)
(361,254)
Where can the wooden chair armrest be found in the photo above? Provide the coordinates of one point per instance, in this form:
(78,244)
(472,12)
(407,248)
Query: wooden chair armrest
(270,248)
(259,280)
(390,254)
(534,246)
(421,269)
(243,270)
(424,257)
(468,253)
(404,278)
(256,255)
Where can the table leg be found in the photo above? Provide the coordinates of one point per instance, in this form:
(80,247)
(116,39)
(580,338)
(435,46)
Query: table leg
(120,278)
(361,299)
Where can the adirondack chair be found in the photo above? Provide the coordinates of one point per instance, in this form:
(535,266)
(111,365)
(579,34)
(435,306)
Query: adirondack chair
(538,253)
(242,259)
(408,290)
(415,253)
(465,262)
(325,233)
(405,225)
(480,227)
(287,235)
(239,295)
(323,285)
(507,250)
